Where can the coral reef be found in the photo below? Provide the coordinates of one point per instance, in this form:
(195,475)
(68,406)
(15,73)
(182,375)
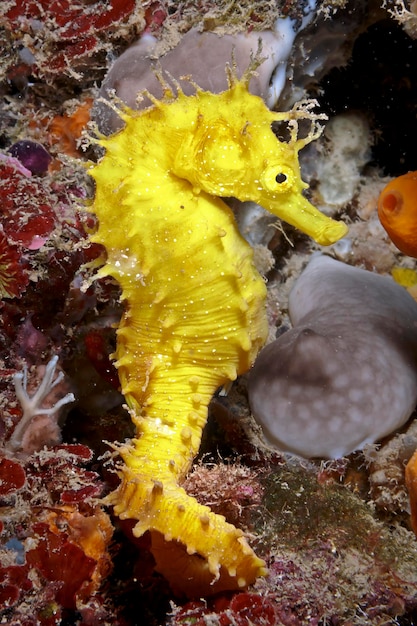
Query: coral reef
(336,535)
(318,562)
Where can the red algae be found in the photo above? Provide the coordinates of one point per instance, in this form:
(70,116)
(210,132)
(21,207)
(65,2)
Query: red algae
(242,609)
(13,269)
(63,542)
(25,222)
(69,31)
(12,476)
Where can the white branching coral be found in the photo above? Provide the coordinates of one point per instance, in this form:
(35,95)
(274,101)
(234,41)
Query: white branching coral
(32,404)
(406,17)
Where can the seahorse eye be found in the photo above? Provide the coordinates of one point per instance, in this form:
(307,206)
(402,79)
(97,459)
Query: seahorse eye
(277,178)
(281,177)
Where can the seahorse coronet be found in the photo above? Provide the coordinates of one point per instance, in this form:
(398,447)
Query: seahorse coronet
(194,302)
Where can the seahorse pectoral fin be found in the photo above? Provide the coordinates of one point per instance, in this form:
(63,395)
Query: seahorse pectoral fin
(299,212)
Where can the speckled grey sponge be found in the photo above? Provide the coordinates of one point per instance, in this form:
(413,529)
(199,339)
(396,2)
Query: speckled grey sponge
(346,374)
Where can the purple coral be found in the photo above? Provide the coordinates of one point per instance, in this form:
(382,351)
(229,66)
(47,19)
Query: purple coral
(32,156)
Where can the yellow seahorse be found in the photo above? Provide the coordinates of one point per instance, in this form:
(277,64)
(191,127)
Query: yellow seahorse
(195,304)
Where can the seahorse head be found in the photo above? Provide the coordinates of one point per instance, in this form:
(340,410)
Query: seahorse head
(232,151)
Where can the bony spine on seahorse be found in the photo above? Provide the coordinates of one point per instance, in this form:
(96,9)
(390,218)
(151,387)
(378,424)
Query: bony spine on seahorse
(195,304)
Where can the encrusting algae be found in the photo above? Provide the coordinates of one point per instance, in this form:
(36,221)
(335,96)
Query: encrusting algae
(195,304)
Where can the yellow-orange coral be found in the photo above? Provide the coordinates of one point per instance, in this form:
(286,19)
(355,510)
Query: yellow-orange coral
(411,484)
(195,304)
(67,129)
(92,532)
(397,210)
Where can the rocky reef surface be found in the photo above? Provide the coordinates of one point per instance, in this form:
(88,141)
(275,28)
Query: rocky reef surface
(336,534)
